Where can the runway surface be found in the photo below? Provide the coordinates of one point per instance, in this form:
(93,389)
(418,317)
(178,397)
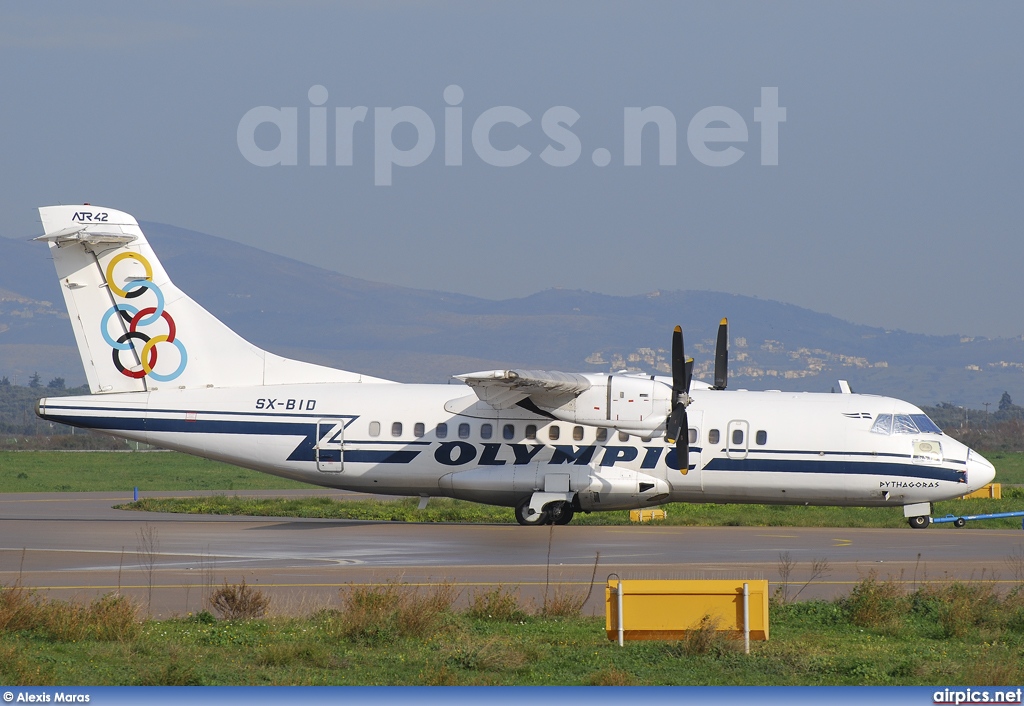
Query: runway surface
(76,545)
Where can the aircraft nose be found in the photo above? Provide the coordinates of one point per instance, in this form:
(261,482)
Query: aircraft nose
(979,471)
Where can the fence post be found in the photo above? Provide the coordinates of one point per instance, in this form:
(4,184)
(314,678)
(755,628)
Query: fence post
(622,626)
(746,618)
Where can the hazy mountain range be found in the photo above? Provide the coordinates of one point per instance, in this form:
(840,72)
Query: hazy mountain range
(413,335)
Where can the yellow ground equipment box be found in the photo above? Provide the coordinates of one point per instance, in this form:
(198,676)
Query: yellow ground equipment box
(993,491)
(666,610)
(647,514)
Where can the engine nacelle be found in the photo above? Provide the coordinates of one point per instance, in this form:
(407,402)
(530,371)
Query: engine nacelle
(633,403)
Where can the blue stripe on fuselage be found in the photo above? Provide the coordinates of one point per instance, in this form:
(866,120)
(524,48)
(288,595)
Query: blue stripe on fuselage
(880,468)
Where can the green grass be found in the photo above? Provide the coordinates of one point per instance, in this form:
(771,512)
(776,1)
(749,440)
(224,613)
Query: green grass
(1009,466)
(679,514)
(958,633)
(65,471)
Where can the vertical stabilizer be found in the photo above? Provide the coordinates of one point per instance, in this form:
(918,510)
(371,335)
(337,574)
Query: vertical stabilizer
(135,330)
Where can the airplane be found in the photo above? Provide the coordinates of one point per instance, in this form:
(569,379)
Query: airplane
(164,371)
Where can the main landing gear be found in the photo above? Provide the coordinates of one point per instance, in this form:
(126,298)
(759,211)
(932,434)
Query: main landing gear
(558,513)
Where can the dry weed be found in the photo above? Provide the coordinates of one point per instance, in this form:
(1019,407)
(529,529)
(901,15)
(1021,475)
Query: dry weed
(382,613)
(877,604)
(491,655)
(499,603)
(611,676)
(239,601)
(565,603)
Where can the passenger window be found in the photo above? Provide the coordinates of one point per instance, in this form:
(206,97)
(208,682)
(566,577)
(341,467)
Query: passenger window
(713,436)
(577,433)
(463,431)
(419,429)
(762,438)
(486,431)
(602,434)
(374,428)
(692,436)
(441,432)
(623,436)
(554,432)
(737,436)
(396,429)
(531,431)
(508,431)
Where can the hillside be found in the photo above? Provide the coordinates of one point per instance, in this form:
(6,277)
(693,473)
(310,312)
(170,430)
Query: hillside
(414,335)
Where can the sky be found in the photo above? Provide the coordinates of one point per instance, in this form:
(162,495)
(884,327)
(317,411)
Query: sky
(860,159)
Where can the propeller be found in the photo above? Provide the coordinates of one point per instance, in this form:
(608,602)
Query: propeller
(676,428)
(722,356)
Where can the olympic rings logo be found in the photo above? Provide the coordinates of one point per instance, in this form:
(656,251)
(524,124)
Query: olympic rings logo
(136,318)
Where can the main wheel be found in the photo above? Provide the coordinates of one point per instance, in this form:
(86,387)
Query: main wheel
(524,518)
(560,513)
(919,522)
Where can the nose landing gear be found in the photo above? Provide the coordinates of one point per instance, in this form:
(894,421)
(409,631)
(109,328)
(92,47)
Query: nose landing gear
(919,521)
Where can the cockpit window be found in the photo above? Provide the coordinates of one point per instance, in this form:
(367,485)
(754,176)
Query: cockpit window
(883,424)
(904,424)
(925,424)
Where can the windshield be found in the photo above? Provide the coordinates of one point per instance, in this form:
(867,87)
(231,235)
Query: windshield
(904,424)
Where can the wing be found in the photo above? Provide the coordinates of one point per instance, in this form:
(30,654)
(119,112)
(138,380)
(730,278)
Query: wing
(505,388)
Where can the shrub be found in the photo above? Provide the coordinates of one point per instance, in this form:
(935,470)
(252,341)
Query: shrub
(703,638)
(18,608)
(497,604)
(110,617)
(239,602)
(563,604)
(960,607)
(877,604)
(376,614)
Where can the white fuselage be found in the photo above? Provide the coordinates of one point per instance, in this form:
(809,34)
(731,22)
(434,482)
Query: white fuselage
(442,440)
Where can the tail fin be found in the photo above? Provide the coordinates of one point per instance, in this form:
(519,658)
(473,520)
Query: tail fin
(135,330)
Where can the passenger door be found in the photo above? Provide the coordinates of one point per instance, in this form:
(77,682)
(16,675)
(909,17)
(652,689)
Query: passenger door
(330,445)
(738,439)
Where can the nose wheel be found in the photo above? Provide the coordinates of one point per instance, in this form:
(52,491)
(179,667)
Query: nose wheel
(919,522)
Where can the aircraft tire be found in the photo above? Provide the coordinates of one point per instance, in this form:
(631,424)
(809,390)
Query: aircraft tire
(540,518)
(560,513)
(919,522)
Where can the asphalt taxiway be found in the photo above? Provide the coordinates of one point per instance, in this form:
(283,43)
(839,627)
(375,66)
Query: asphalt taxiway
(77,545)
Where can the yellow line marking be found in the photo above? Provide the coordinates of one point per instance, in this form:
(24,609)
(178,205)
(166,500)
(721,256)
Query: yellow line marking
(844,542)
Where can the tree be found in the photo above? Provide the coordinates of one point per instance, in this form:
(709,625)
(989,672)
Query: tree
(56,384)
(4,382)
(33,381)
(1005,403)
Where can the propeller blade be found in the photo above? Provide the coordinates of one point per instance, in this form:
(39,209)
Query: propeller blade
(688,374)
(683,444)
(722,356)
(674,425)
(678,364)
